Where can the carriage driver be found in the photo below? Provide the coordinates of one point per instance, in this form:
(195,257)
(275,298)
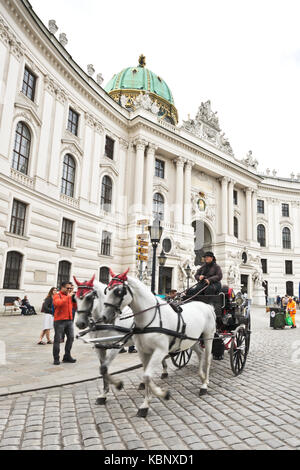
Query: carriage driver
(211,274)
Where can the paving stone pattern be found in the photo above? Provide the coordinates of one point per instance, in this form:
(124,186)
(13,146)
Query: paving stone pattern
(260,409)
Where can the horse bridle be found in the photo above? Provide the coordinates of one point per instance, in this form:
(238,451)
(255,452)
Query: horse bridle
(92,295)
(119,291)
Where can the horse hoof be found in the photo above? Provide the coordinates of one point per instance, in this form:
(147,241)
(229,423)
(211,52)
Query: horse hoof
(120,386)
(168,395)
(164,375)
(142,386)
(203,391)
(100,401)
(142,412)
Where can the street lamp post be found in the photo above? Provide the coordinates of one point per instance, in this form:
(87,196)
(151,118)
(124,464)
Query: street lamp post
(155,235)
(161,261)
(188,271)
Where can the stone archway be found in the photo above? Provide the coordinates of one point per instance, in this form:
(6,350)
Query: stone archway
(202,240)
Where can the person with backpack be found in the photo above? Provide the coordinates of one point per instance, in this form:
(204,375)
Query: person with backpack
(48,310)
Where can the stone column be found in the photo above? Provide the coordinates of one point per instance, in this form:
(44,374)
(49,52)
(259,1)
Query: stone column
(254,215)
(230,208)
(149,178)
(224,183)
(139,174)
(249,213)
(179,191)
(123,147)
(187,192)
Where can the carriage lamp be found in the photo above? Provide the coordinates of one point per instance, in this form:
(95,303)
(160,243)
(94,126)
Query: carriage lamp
(156,231)
(188,271)
(162,258)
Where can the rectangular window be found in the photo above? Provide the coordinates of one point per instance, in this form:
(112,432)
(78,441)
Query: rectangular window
(106,243)
(285,210)
(17,223)
(29,83)
(159,168)
(288,267)
(235,198)
(264,266)
(260,206)
(67,233)
(109,147)
(73,120)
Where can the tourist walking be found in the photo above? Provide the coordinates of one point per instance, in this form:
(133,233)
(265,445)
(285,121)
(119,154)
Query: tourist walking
(48,310)
(291,310)
(63,322)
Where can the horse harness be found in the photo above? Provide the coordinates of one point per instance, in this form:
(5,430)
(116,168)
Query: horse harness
(134,330)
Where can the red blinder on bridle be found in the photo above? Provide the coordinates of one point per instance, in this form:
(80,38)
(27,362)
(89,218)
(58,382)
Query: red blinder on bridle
(84,288)
(117,279)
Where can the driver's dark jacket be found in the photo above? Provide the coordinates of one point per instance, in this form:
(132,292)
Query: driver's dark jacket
(211,271)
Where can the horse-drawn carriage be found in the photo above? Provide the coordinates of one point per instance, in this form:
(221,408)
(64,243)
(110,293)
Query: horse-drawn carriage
(232,330)
(211,324)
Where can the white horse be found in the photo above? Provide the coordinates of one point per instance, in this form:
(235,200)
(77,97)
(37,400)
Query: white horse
(90,299)
(150,311)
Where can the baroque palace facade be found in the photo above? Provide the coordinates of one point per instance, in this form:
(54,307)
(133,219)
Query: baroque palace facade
(80,164)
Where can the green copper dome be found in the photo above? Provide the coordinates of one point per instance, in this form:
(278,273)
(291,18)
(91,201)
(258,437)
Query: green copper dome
(132,81)
(140,78)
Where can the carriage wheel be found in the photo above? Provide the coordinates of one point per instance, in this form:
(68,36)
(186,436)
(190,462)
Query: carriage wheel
(182,358)
(239,349)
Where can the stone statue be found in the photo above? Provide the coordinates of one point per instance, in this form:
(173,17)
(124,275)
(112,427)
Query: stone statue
(206,115)
(144,101)
(90,70)
(52,26)
(123,101)
(257,278)
(250,161)
(63,39)
(100,79)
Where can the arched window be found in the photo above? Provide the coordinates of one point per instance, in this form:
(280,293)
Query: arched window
(289,288)
(22,148)
(235,227)
(68,176)
(104,275)
(106,193)
(158,206)
(13,270)
(286,238)
(261,235)
(64,270)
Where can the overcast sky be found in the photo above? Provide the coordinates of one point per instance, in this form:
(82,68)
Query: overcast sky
(243,55)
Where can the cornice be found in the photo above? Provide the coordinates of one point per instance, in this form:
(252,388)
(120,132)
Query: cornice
(58,57)
(281,189)
(139,122)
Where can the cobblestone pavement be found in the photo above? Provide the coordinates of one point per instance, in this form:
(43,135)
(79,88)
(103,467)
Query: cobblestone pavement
(260,409)
(30,366)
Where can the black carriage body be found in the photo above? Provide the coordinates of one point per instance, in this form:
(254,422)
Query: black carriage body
(232,331)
